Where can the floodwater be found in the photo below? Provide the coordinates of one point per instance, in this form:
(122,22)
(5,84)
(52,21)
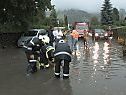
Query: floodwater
(99,69)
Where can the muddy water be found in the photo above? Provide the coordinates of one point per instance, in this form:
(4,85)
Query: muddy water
(99,69)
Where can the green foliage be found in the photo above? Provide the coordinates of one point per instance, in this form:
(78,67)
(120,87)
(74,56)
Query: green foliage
(66,21)
(61,22)
(94,21)
(15,12)
(115,15)
(9,28)
(106,13)
(120,32)
(53,17)
(99,26)
(44,4)
(40,26)
(20,13)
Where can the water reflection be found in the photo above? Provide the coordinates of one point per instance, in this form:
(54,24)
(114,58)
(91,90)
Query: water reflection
(101,68)
(106,54)
(95,52)
(86,54)
(106,57)
(101,59)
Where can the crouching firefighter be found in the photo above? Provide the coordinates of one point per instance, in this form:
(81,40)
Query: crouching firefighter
(46,53)
(62,57)
(32,50)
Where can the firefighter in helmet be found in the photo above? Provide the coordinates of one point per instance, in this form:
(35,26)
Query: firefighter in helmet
(62,57)
(46,52)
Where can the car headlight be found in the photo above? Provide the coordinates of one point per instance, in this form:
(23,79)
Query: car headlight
(90,34)
(96,34)
(106,34)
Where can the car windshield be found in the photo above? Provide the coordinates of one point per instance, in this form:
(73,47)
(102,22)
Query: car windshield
(99,31)
(30,33)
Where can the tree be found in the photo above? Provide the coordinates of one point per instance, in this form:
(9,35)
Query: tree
(94,21)
(53,17)
(15,12)
(19,13)
(122,14)
(115,15)
(66,21)
(106,13)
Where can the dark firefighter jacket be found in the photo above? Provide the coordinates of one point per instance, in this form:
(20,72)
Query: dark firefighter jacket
(62,51)
(33,45)
(47,50)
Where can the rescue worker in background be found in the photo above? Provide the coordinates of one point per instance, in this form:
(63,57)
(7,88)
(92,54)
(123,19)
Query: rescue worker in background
(62,57)
(46,52)
(57,35)
(93,35)
(51,36)
(64,33)
(85,37)
(75,36)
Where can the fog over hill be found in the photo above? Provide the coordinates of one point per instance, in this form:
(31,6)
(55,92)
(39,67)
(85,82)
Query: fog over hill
(75,15)
(87,5)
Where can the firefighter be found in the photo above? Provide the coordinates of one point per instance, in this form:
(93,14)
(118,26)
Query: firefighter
(62,57)
(46,52)
(50,53)
(57,35)
(32,50)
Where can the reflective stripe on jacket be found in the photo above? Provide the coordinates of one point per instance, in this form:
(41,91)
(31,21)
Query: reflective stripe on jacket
(59,53)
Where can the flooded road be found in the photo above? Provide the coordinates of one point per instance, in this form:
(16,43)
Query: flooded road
(99,70)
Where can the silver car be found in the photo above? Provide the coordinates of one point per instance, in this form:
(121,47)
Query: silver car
(29,34)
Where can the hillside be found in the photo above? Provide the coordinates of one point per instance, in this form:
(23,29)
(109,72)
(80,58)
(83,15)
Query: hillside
(74,15)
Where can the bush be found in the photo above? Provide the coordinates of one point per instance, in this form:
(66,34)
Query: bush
(37,26)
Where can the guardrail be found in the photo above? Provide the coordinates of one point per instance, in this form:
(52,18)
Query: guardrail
(118,27)
(120,31)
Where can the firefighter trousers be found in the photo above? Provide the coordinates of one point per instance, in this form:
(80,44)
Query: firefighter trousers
(65,66)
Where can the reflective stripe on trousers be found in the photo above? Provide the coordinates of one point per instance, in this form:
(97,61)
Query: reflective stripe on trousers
(66,75)
(32,60)
(57,74)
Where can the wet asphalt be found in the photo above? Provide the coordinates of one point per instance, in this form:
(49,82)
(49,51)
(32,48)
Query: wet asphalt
(99,69)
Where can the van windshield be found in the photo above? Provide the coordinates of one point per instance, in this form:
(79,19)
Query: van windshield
(80,27)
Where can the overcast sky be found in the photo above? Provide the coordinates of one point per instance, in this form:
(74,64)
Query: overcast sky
(87,5)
